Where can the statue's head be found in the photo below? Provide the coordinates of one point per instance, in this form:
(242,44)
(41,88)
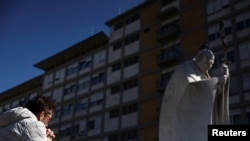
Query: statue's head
(205,60)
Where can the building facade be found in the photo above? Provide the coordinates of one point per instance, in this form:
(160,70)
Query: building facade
(109,87)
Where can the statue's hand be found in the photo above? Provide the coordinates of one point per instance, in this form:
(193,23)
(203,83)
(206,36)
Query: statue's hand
(222,79)
(224,69)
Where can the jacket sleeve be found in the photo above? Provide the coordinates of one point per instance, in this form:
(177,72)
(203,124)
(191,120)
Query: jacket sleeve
(35,131)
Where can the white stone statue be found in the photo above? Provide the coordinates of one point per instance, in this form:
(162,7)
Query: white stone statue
(193,100)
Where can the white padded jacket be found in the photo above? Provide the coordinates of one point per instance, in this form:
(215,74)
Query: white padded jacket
(20,124)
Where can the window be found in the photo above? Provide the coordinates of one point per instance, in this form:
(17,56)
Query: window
(116,67)
(214,30)
(240,25)
(76,128)
(233,85)
(98,79)
(115,89)
(96,102)
(129,109)
(84,64)
(57,113)
(236,119)
(230,58)
(70,89)
(170,53)
(132,19)
(246,81)
(57,94)
(48,79)
(228,30)
(62,133)
(117,45)
(91,124)
(84,105)
(130,84)
(131,39)
(59,74)
(68,131)
(243,21)
(114,113)
(227,27)
(218,60)
(248,117)
(71,70)
(247,23)
(216,5)
(118,25)
(68,109)
(99,101)
(100,57)
(165,79)
(129,135)
(131,61)
(83,84)
(113,137)
(244,50)
(78,105)
(81,104)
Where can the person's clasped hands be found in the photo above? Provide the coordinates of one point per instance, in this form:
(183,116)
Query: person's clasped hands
(50,134)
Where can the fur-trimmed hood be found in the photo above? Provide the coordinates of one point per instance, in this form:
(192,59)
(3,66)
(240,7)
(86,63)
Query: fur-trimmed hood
(14,115)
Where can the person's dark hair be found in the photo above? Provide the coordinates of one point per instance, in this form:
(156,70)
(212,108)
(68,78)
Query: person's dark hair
(40,103)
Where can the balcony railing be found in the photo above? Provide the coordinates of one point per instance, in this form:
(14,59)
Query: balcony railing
(168,32)
(169,56)
(168,11)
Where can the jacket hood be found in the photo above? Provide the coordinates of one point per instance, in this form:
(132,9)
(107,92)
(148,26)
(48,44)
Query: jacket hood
(14,115)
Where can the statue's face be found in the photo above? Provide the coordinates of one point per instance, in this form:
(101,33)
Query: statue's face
(206,63)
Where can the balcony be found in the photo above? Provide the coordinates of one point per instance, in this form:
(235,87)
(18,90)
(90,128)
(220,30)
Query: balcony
(169,56)
(169,8)
(169,12)
(161,85)
(167,33)
(164,80)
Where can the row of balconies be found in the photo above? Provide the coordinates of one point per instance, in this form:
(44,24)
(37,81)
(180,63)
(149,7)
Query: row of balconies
(167,33)
(169,9)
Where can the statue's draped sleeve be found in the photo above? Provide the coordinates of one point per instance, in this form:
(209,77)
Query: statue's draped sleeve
(221,104)
(188,108)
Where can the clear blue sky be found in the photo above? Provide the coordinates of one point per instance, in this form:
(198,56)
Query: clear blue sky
(33,30)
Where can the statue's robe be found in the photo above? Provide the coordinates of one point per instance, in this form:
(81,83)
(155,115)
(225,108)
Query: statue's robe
(192,101)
